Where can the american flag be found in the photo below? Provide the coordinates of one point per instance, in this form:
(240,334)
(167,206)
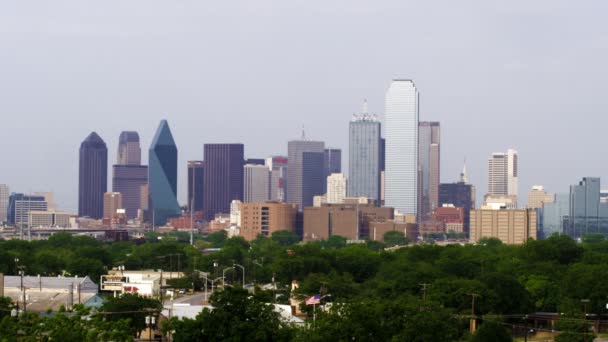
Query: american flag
(313,300)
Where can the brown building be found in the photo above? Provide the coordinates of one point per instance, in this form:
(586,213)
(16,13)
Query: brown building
(265,218)
(452,218)
(112,201)
(351,221)
(378,229)
(510,226)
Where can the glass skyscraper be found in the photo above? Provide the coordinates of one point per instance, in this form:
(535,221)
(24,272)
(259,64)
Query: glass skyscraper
(223,177)
(92,176)
(162,175)
(587,215)
(401,127)
(129,150)
(305,171)
(428,163)
(196,184)
(364,148)
(553,215)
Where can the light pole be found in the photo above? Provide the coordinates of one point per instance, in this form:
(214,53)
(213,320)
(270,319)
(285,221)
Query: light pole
(585,302)
(243,268)
(224,274)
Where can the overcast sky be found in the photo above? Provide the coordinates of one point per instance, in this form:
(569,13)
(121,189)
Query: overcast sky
(529,75)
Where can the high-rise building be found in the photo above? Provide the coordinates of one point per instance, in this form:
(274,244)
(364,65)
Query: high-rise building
(112,201)
(196,184)
(510,226)
(401,127)
(278,178)
(223,177)
(364,162)
(257,183)
(92,176)
(502,173)
(460,195)
(129,150)
(336,188)
(162,176)
(553,215)
(128,180)
(333,161)
(266,218)
(538,196)
(429,165)
(4,194)
(20,206)
(305,171)
(587,214)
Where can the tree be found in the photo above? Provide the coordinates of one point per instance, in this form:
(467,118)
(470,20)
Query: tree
(491,331)
(395,238)
(285,237)
(571,330)
(130,307)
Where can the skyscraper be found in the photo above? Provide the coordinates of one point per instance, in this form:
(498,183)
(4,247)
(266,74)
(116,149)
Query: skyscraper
(128,180)
(112,201)
(364,162)
(196,184)
(336,188)
(333,161)
(4,194)
(278,178)
(305,171)
(502,173)
(129,150)
(162,175)
(401,172)
(257,183)
(92,176)
(223,177)
(587,215)
(428,164)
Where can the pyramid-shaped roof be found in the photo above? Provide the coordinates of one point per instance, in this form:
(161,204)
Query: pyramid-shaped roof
(93,140)
(163,136)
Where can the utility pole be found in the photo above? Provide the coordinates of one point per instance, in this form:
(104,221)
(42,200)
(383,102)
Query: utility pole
(473,322)
(424,286)
(585,302)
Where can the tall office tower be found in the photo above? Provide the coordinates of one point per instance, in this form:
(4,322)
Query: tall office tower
(587,215)
(537,197)
(92,176)
(428,164)
(553,215)
(162,176)
(196,184)
(112,201)
(278,178)
(257,183)
(401,127)
(336,188)
(333,161)
(502,173)
(20,206)
(129,150)
(305,171)
(223,177)
(364,161)
(4,194)
(460,195)
(128,180)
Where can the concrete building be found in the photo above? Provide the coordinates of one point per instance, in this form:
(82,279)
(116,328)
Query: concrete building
(257,183)
(503,173)
(351,221)
(278,178)
(364,156)
(128,180)
(378,229)
(429,166)
(112,201)
(223,177)
(510,226)
(336,188)
(92,176)
(4,195)
(20,205)
(401,129)
(50,219)
(129,149)
(266,218)
(451,217)
(496,202)
(196,185)
(305,171)
(537,197)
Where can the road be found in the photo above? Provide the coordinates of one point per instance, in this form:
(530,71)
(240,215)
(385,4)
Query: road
(192,299)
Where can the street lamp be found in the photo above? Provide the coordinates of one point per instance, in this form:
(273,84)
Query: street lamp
(224,274)
(243,268)
(585,302)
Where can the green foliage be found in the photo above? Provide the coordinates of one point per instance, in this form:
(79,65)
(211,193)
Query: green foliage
(573,330)
(395,238)
(285,238)
(129,307)
(491,331)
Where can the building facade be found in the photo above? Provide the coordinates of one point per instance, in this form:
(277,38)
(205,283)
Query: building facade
(278,178)
(305,171)
(223,177)
(196,185)
(429,166)
(266,218)
(460,195)
(401,169)
(4,195)
(587,214)
(257,183)
(129,149)
(364,162)
(554,214)
(333,161)
(336,188)
(537,197)
(20,206)
(351,221)
(112,201)
(92,176)
(128,180)
(503,173)
(510,226)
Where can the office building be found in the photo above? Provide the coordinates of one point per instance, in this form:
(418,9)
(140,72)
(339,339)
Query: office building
(365,156)
(278,178)
(162,176)
(401,134)
(587,215)
(460,195)
(255,161)
(4,194)
(496,202)
(112,202)
(510,226)
(266,218)
(223,177)
(537,197)
(553,215)
(50,219)
(333,161)
(351,221)
(503,174)
(20,206)
(196,185)
(336,188)
(305,171)
(129,149)
(92,176)
(257,183)
(428,165)
(127,180)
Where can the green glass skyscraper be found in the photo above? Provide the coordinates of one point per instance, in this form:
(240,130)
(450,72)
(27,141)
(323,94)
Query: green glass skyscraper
(162,175)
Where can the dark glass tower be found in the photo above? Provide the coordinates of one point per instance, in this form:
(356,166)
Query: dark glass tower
(305,171)
(92,176)
(333,161)
(196,181)
(162,175)
(223,177)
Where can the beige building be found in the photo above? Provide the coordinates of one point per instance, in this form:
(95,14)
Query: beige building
(351,221)
(496,202)
(336,188)
(50,218)
(267,218)
(378,229)
(538,196)
(112,201)
(510,226)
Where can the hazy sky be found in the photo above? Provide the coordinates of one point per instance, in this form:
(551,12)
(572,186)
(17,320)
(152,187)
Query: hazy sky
(529,75)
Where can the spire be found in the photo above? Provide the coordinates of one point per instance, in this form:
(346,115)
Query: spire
(365,110)
(463,174)
(303,133)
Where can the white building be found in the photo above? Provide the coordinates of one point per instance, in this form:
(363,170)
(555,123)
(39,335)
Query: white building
(4,193)
(401,157)
(336,188)
(50,218)
(235,213)
(502,173)
(257,183)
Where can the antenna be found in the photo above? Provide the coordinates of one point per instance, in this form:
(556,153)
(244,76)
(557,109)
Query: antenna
(303,133)
(365,110)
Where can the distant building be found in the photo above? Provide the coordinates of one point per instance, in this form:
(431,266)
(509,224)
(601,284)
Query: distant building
(587,214)
(429,166)
(364,156)
(554,214)
(266,218)
(128,180)
(499,202)
(4,194)
(510,226)
(196,184)
(223,177)
(112,201)
(162,176)
(333,161)
(92,176)
(129,150)
(451,217)
(378,229)
(336,188)
(460,195)
(305,171)
(401,127)
(50,219)
(257,183)
(537,197)
(20,206)
(346,220)
(503,174)
(255,161)
(278,178)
